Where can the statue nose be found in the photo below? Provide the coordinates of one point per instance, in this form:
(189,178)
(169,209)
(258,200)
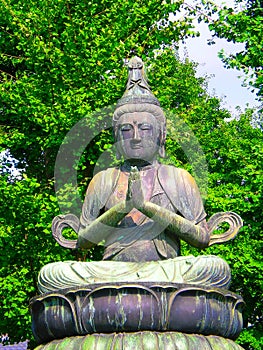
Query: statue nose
(136,135)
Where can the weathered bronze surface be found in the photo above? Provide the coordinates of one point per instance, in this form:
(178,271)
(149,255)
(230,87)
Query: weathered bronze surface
(141,211)
(136,307)
(142,341)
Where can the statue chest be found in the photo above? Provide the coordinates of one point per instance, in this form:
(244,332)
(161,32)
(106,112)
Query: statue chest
(152,190)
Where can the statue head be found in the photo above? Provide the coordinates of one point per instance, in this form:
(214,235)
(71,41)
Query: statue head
(139,122)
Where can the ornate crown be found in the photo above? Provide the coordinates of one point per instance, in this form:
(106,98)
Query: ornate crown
(137,88)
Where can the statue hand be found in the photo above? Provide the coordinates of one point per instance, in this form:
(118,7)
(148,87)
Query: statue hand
(135,196)
(235,223)
(65,221)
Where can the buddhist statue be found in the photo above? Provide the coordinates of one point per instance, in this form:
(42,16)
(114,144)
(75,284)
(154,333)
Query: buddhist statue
(140,210)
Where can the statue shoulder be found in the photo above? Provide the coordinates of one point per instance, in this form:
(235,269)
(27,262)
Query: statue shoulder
(107,176)
(98,192)
(103,182)
(170,172)
(181,188)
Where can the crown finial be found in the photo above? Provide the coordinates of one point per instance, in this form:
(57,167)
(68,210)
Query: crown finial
(137,88)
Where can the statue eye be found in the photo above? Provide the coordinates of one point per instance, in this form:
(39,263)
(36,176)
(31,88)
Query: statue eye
(126,127)
(145,126)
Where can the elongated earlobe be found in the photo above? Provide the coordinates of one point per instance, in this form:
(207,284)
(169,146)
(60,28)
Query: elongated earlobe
(162,151)
(118,155)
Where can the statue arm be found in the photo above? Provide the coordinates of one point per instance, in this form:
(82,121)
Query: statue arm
(191,226)
(192,229)
(197,235)
(92,227)
(102,227)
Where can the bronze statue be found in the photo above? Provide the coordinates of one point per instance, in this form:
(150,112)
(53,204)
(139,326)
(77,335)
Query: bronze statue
(141,210)
(143,293)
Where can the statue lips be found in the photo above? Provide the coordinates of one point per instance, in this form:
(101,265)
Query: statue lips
(137,150)
(136,145)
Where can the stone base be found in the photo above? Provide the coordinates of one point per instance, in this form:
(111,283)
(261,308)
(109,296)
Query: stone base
(142,341)
(134,307)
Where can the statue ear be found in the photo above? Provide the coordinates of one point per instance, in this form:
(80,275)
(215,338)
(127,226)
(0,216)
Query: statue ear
(118,152)
(118,155)
(162,151)
(162,138)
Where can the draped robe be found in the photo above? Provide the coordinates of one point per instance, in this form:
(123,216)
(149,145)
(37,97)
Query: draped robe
(140,249)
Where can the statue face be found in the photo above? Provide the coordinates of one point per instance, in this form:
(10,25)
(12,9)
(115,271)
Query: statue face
(138,137)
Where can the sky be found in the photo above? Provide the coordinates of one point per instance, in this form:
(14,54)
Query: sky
(224,83)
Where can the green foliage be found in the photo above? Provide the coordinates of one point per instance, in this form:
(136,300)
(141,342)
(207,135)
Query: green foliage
(60,61)
(25,240)
(236,178)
